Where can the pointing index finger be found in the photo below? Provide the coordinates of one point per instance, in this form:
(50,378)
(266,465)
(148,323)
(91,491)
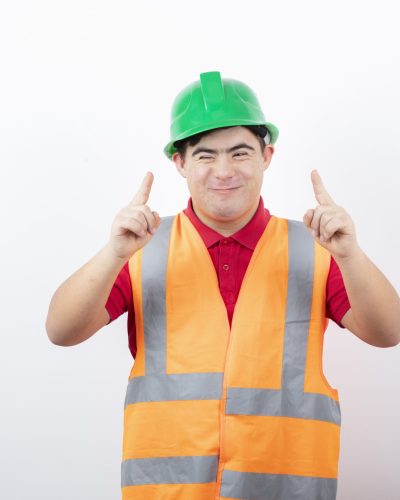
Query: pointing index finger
(142,196)
(321,194)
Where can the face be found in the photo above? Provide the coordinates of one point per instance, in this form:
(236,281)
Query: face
(224,173)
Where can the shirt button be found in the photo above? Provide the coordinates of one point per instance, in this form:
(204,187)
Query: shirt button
(225,267)
(225,242)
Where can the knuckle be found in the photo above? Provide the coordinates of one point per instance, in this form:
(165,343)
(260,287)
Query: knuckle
(134,221)
(136,227)
(130,211)
(325,217)
(140,216)
(147,210)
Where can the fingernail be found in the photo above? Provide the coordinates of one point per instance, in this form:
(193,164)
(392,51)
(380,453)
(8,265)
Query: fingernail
(321,238)
(314,233)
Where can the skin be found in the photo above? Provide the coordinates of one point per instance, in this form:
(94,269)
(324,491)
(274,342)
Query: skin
(225,186)
(225,189)
(77,308)
(134,224)
(374,315)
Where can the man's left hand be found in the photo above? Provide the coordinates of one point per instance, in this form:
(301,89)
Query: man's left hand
(330,225)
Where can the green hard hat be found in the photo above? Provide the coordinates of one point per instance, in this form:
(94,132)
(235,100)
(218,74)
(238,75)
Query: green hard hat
(212,103)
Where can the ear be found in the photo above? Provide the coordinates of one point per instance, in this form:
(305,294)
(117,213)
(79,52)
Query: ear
(267,155)
(179,164)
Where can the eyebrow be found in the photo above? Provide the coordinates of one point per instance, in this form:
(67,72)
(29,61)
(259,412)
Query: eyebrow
(202,149)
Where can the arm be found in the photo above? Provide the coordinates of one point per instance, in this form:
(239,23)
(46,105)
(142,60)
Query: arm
(375,305)
(77,308)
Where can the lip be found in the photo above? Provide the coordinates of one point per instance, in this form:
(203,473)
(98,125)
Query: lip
(224,190)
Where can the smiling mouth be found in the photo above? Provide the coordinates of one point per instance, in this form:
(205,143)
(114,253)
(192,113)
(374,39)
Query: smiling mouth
(224,190)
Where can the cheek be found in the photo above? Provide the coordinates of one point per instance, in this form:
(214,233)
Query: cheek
(252,174)
(197,178)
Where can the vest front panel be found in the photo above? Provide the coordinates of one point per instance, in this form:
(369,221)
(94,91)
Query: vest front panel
(215,413)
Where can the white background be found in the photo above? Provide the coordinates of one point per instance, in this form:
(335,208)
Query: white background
(85,94)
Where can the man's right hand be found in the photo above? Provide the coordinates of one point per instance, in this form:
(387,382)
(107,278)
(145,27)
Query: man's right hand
(134,225)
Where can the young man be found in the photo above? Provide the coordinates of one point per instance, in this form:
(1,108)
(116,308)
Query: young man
(227,309)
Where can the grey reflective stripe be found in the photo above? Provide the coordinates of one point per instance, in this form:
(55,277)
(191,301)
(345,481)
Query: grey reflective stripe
(178,386)
(245,401)
(298,306)
(154,275)
(256,486)
(156,384)
(291,400)
(169,470)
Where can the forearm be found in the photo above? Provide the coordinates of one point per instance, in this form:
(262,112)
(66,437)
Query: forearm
(77,308)
(375,304)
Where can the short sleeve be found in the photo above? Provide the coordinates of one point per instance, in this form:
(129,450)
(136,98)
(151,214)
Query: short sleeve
(120,301)
(337,301)
(120,295)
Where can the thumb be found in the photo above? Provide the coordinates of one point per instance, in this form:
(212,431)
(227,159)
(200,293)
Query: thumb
(308,216)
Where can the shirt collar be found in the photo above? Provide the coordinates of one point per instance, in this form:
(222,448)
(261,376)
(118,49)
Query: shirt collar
(247,236)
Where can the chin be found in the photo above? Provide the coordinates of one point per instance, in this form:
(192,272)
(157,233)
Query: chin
(226,212)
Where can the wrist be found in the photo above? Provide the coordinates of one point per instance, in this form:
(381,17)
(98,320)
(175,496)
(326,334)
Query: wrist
(112,257)
(354,254)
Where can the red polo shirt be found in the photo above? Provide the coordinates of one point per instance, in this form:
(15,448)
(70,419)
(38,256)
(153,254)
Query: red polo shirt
(230,257)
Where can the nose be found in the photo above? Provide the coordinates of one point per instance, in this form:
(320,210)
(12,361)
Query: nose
(223,168)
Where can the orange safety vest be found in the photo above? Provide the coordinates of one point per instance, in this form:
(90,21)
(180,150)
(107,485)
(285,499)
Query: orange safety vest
(214,412)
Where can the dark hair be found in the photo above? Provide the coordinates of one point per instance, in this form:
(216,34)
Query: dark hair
(259,131)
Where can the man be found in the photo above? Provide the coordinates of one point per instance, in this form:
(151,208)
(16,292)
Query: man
(227,307)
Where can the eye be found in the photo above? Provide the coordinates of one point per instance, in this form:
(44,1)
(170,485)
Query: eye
(205,157)
(241,153)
